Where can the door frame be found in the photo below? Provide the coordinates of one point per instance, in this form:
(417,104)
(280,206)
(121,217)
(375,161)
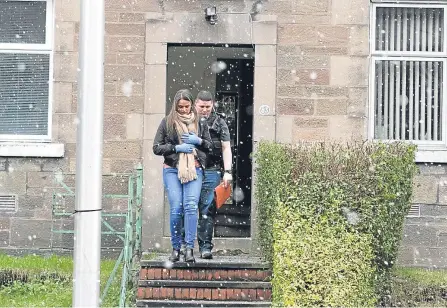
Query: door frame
(191,28)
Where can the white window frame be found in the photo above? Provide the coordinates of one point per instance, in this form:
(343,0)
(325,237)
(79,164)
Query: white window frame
(428,151)
(46,48)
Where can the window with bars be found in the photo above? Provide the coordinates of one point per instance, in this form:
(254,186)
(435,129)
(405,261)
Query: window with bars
(25,69)
(408,52)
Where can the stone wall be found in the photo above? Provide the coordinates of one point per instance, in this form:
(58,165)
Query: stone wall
(424,240)
(322,72)
(322,92)
(319,65)
(33,179)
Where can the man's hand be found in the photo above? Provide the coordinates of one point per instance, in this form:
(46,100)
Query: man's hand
(227,179)
(191,138)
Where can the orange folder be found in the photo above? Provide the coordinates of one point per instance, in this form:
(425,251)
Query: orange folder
(221,194)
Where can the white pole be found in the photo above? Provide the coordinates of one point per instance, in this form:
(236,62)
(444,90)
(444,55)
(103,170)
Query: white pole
(87,251)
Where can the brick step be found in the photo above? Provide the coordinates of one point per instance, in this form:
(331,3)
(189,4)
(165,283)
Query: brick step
(201,274)
(198,293)
(192,303)
(225,281)
(213,284)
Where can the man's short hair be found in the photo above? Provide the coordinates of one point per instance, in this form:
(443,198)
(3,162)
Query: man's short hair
(205,96)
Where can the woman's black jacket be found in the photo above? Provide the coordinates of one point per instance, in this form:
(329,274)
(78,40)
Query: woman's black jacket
(164,144)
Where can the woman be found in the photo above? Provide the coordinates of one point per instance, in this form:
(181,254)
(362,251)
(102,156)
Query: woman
(183,140)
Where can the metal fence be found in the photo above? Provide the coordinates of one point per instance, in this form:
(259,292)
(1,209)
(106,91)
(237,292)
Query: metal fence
(121,223)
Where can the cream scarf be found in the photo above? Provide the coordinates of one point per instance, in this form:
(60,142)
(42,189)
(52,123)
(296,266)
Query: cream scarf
(186,163)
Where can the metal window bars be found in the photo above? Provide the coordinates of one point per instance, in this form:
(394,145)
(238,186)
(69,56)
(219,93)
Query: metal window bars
(408,49)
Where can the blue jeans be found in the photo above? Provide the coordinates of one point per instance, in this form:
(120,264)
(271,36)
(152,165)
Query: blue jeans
(183,201)
(207,209)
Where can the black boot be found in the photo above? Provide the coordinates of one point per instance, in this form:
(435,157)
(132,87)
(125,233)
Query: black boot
(206,254)
(175,255)
(189,255)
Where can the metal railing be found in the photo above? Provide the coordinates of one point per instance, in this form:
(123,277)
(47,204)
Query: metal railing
(129,235)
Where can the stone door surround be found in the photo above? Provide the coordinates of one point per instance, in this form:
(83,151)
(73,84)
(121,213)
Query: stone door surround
(191,28)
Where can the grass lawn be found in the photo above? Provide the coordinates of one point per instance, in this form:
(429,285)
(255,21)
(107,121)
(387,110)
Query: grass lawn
(419,287)
(412,287)
(424,276)
(48,292)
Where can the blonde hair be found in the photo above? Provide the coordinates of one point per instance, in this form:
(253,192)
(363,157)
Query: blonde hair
(184,94)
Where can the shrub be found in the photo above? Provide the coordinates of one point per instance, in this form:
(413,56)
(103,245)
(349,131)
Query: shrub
(320,265)
(328,210)
(273,173)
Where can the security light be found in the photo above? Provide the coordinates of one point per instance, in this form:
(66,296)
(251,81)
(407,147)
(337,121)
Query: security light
(211,15)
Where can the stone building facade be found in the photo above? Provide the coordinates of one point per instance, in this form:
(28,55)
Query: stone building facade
(312,73)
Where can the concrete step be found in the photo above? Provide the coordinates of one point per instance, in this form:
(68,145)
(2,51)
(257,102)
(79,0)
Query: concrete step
(232,221)
(236,210)
(231,231)
(218,262)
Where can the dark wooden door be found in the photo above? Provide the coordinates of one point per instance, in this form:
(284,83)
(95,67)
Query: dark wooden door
(234,97)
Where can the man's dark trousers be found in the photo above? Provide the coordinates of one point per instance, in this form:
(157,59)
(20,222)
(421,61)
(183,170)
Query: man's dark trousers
(207,209)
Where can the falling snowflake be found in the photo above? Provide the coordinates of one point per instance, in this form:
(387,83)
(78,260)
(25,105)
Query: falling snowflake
(218,66)
(126,88)
(21,67)
(168,264)
(238,194)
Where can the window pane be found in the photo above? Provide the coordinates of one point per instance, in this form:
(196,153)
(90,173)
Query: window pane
(24,81)
(409,29)
(22,22)
(408,100)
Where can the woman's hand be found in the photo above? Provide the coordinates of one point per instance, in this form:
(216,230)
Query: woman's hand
(184,148)
(191,138)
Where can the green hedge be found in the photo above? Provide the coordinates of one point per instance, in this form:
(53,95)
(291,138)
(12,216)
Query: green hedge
(331,219)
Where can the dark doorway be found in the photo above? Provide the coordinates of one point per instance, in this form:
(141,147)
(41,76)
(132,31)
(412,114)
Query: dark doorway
(234,94)
(228,72)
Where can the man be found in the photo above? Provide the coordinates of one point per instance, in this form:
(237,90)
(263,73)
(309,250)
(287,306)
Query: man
(220,158)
